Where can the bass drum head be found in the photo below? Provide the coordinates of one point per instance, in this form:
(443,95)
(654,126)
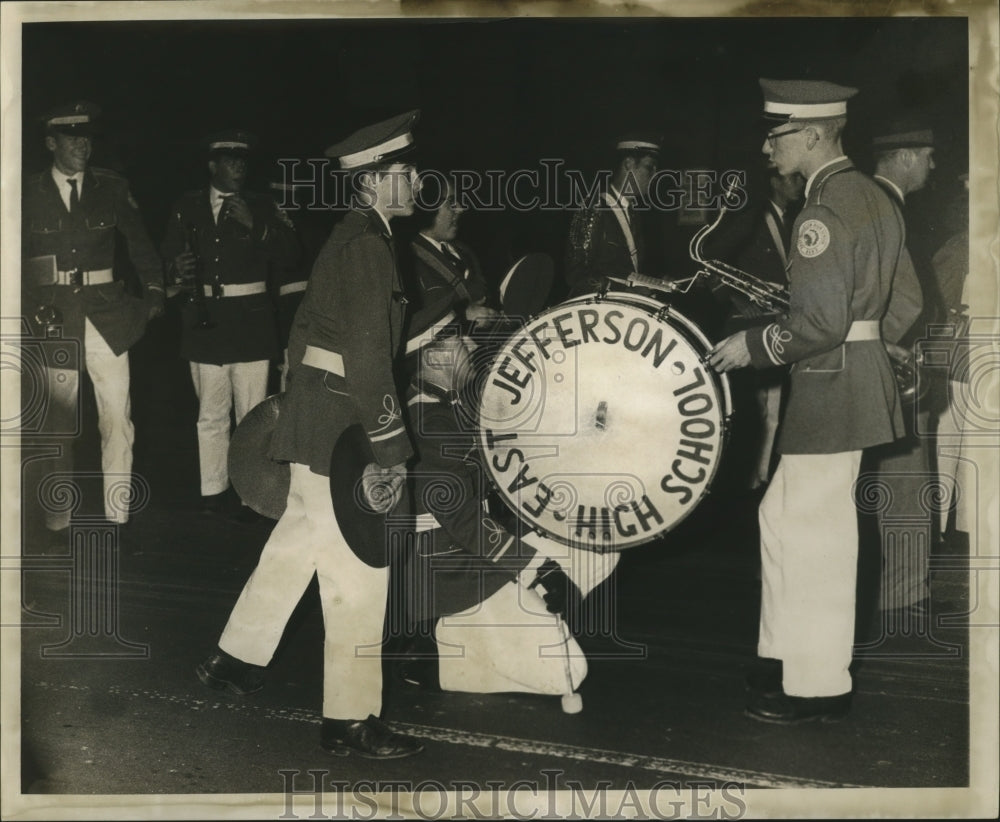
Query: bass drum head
(599,423)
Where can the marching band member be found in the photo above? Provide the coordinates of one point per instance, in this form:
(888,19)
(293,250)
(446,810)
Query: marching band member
(343,344)
(605,237)
(848,248)
(74,217)
(486,605)
(758,241)
(446,276)
(903,162)
(221,240)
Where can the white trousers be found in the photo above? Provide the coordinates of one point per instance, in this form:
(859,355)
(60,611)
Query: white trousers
(809,555)
(219,388)
(307,541)
(508,642)
(109,373)
(768,399)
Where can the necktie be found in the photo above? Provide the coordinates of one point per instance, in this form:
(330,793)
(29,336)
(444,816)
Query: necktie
(74,195)
(222,205)
(785,229)
(452,255)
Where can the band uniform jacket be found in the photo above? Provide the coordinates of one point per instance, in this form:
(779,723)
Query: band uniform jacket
(463,555)
(312,229)
(350,327)
(597,248)
(229,253)
(848,244)
(437,284)
(53,240)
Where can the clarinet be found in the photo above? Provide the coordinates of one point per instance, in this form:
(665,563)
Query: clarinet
(203,319)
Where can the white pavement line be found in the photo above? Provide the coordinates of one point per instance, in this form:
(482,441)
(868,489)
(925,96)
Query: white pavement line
(621,759)
(451,736)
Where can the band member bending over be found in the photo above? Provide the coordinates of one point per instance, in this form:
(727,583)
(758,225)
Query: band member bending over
(494,602)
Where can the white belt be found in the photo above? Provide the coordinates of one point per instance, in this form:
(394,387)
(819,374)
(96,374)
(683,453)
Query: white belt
(862,330)
(237,289)
(99,277)
(292,288)
(425,522)
(324,360)
(425,337)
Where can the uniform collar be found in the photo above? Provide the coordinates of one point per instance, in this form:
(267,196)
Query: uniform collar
(381,219)
(889,184)
(435,244)
(825,170)
(216,197)
(61,179)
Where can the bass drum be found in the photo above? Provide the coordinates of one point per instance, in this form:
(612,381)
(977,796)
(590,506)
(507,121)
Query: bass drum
(600,423)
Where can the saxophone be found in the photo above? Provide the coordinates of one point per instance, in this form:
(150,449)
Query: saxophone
(774,299)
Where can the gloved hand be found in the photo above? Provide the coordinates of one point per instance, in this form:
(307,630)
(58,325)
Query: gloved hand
(383,487)
(560,593)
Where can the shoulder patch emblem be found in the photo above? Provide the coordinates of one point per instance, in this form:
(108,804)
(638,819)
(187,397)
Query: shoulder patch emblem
(814,237)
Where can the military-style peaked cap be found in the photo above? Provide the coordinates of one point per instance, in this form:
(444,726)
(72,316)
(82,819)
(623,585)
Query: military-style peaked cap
(376,144)
(787,100)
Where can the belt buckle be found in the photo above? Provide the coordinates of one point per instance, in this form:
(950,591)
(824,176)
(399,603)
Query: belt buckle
(217,290)
(75,277)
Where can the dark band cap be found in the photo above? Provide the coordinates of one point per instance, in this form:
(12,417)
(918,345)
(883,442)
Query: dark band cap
(902,133)
(639,141)
(788,100)
(376,144)
(77,118)
(231,141)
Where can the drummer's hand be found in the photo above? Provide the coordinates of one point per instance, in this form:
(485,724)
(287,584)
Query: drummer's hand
(559,592)
(731,353)
(480,312)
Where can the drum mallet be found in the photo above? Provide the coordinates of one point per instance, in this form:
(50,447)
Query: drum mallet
(572,702)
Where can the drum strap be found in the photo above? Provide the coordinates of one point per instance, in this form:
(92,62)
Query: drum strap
(439,265)
(619,211)
(779,243)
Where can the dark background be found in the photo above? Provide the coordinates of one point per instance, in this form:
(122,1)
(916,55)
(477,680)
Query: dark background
(494,94)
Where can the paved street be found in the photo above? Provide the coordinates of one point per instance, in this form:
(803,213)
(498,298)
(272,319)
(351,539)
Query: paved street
(110,703)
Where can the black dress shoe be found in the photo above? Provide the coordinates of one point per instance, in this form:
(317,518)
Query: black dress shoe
(782,709)
(370,737)
(215,503)
(765,676)
(223,672)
